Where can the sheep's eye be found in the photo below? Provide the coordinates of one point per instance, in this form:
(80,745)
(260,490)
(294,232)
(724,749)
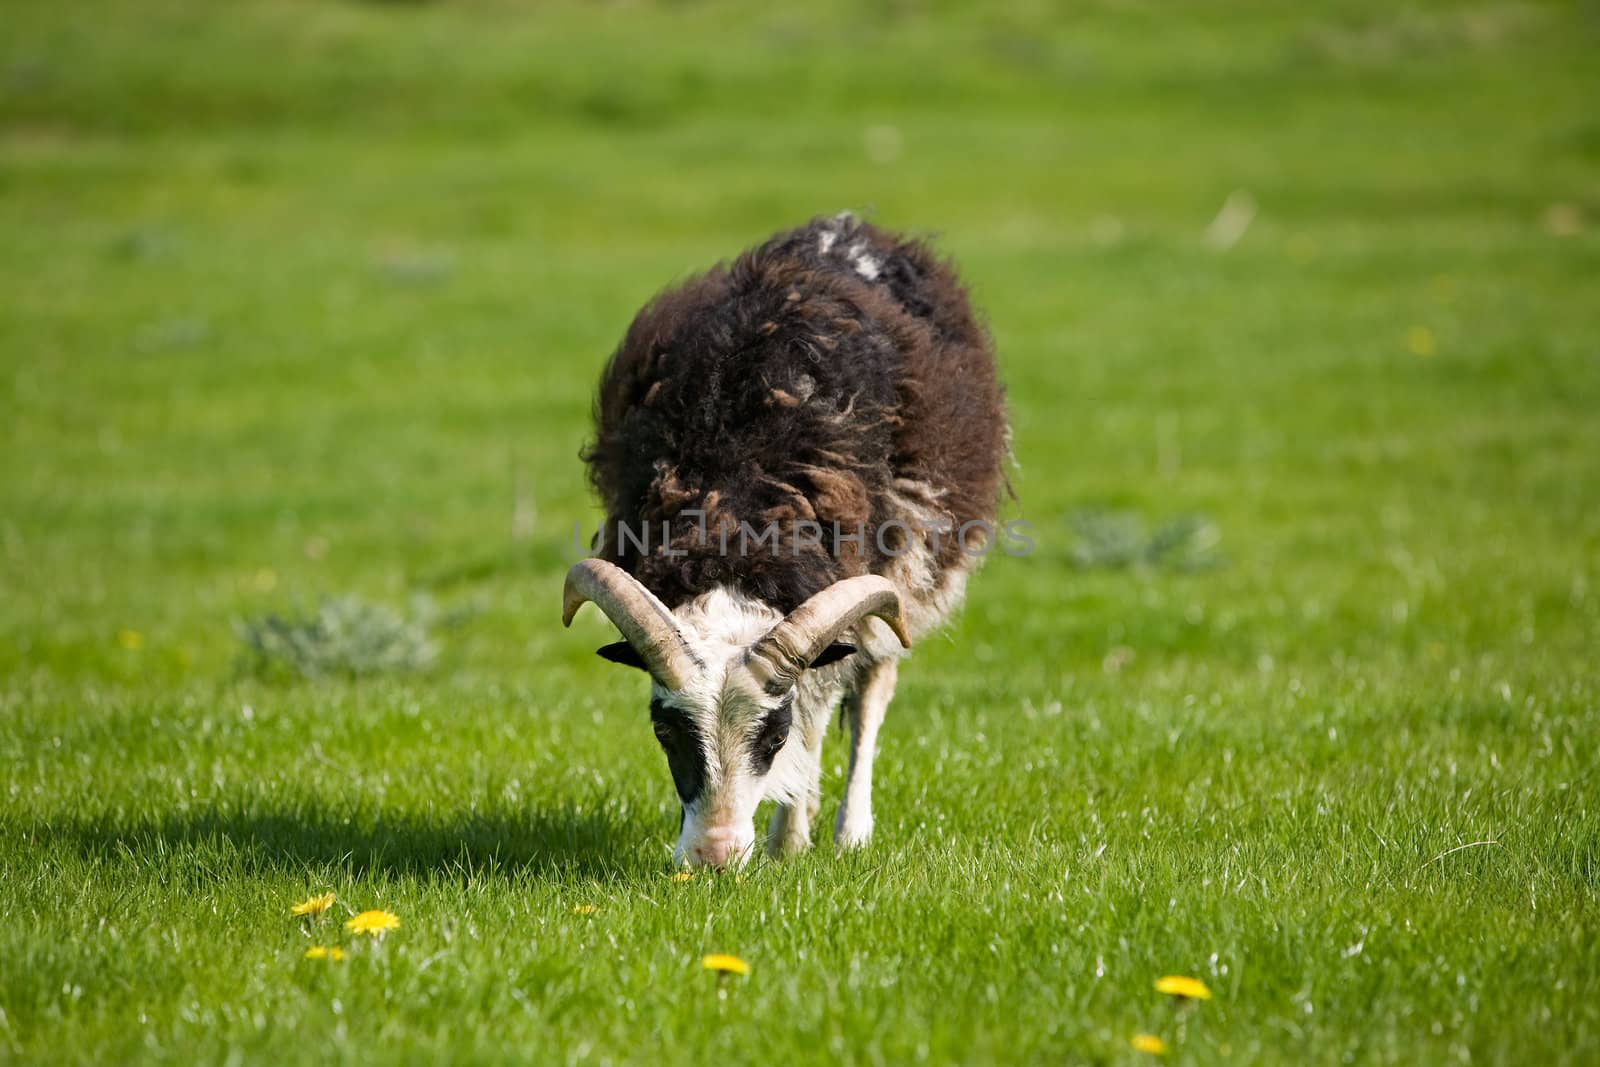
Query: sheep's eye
(774,732)
(663,732)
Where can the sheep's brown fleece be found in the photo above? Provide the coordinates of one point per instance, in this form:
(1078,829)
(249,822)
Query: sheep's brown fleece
(795,385)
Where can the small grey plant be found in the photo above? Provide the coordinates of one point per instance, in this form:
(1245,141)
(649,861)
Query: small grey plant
(345,636)
(1111,540)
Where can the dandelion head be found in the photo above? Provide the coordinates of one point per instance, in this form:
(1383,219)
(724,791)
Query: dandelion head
(1174,985)
(314,905)
(375,922)
(332,953)
(1148,1043)
(722,963)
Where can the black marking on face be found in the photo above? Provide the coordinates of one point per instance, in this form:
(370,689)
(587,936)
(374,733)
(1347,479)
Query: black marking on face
(686,755)
(774,732)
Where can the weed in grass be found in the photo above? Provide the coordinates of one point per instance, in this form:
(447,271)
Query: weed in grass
(345,635)
(1111,540)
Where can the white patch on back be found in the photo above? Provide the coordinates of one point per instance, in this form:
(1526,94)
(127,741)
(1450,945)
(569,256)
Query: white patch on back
(861,261)
(867,266)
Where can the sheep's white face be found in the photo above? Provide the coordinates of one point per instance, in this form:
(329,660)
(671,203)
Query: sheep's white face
(729,747)
(729,744)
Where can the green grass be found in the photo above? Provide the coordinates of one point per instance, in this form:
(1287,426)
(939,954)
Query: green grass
(308,299)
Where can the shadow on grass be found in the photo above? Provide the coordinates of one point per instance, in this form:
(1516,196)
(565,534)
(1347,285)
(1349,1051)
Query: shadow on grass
(560,843)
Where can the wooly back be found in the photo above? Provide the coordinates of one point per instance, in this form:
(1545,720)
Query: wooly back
(833,375)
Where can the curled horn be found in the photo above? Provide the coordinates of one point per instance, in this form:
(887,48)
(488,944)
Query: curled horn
(643,619)
(789,647)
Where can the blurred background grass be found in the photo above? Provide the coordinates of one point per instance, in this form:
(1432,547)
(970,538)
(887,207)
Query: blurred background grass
(345,272)
(304,298)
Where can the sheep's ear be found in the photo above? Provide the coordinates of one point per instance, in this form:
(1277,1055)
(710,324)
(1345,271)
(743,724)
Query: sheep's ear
(623,653)
(833,654)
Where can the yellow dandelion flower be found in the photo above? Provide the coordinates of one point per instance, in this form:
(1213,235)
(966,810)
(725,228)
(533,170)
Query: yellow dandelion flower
(325,952)
(375,922)
(132,640)
(314,905)
(584,909)
(683,876)
(1421,341)
(1148,1043)
(1183,988)
(725,964)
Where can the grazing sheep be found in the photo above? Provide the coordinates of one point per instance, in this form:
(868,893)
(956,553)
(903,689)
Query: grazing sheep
(800,457)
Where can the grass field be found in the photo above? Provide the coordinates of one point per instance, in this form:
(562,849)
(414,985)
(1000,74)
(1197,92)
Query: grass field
(304,299)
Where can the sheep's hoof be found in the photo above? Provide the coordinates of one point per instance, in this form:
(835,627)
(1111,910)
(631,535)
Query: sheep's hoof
(852,834)
(789,844)
(789,835)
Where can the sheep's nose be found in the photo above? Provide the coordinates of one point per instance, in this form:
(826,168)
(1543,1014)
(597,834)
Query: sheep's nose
(715,849)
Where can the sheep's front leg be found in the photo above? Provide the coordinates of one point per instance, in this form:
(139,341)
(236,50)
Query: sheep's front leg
(790,829)
(865,710)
